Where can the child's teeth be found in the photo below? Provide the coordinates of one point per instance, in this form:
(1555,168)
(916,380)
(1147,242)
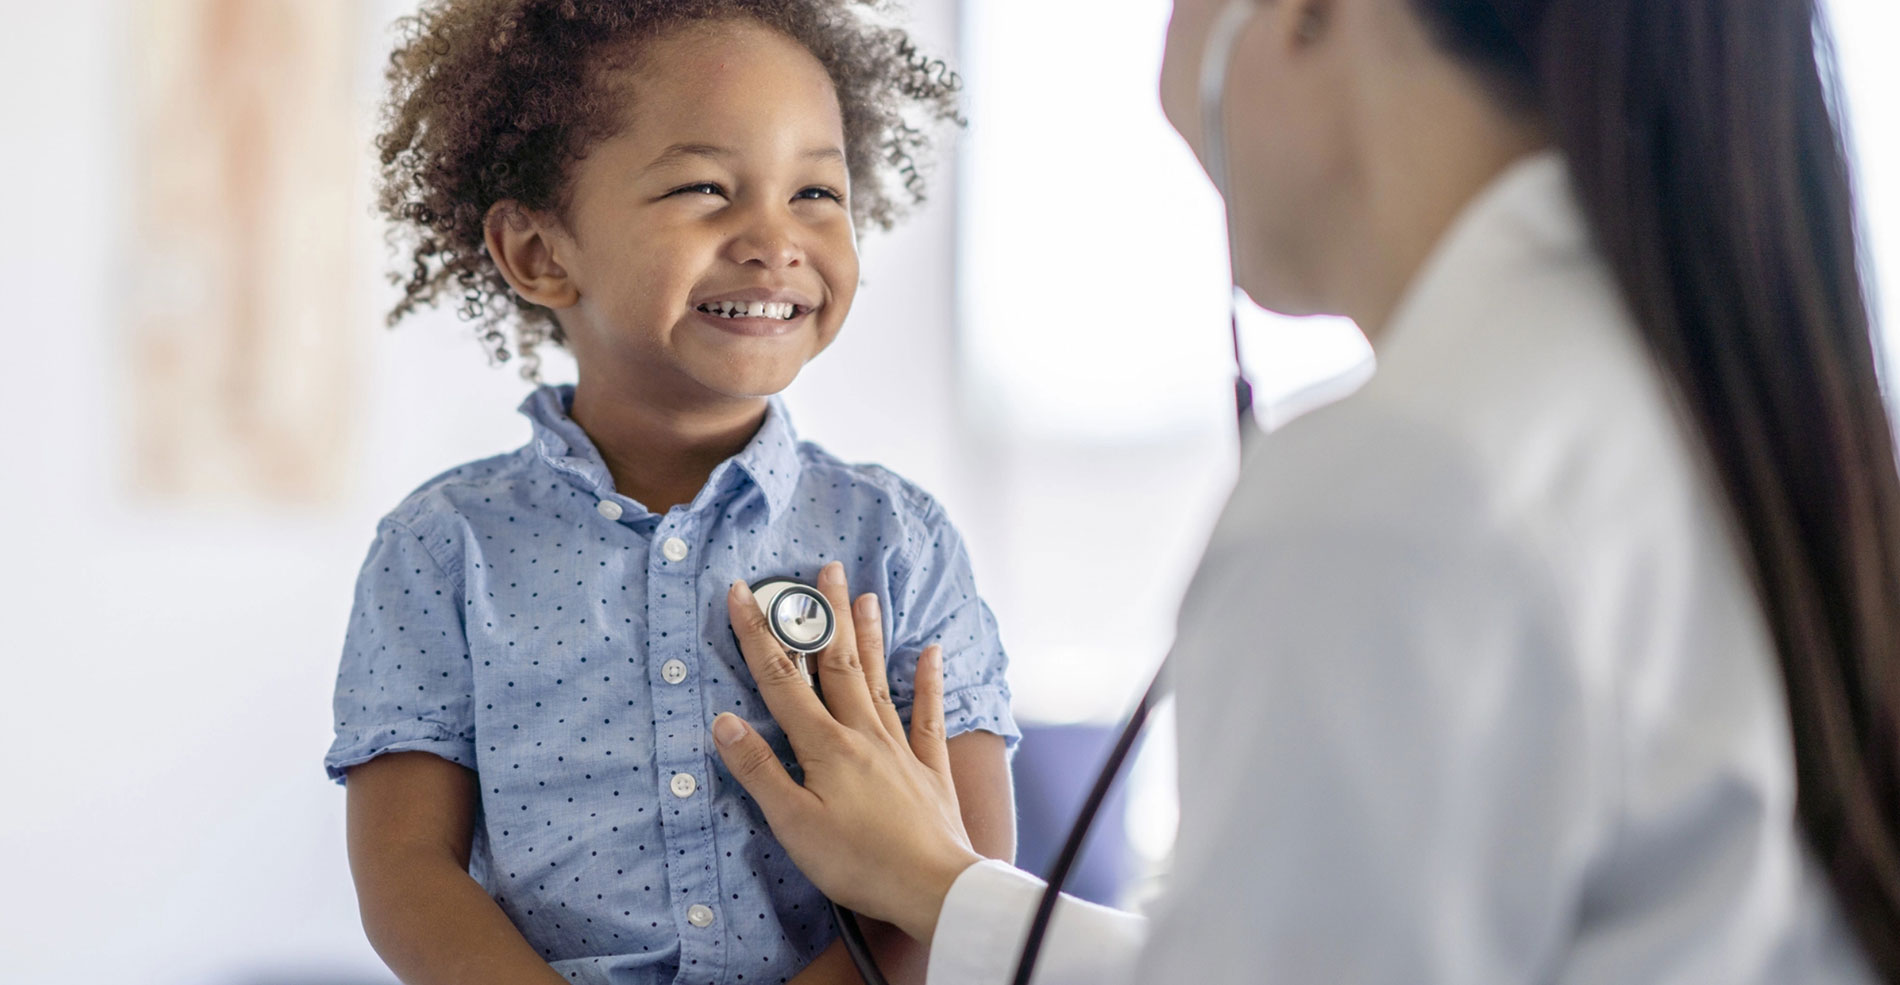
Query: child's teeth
(754,309)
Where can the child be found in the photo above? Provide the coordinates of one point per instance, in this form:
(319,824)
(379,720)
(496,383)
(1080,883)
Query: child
(671,189)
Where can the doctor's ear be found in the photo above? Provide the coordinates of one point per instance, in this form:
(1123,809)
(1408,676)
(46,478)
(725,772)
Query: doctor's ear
(1299,23)
(523,245)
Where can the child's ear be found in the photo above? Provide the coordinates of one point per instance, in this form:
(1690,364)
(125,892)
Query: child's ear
(522,245)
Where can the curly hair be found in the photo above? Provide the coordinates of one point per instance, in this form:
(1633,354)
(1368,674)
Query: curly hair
(494,100)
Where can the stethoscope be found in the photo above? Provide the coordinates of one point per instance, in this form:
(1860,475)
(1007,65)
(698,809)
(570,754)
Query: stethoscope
(800,618)
(803,621)
(1216,62)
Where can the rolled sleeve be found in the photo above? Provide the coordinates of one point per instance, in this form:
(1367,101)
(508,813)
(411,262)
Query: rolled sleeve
(405,682)
(936,602)
(980,709)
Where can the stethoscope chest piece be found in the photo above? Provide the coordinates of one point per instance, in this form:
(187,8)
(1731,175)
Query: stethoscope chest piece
(801,618)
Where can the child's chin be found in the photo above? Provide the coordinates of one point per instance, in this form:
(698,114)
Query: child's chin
(754,381)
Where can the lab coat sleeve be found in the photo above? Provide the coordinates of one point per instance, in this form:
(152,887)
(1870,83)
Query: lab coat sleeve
(986,918)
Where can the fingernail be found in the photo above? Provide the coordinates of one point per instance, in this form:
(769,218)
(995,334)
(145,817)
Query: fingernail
(833,572)
(739,588)
(867,608)
(728,729)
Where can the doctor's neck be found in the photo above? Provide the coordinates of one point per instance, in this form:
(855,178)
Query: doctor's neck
(1421,137)
(1437,148)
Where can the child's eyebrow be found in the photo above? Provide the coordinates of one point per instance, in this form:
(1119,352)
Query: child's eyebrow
(717,153)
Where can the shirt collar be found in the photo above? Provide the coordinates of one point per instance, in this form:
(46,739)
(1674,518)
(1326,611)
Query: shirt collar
(769,461)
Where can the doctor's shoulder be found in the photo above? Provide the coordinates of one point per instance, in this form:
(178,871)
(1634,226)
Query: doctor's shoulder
(1539,417)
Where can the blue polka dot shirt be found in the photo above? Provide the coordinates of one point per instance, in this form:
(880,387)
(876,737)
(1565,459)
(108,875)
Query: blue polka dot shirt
(519,617)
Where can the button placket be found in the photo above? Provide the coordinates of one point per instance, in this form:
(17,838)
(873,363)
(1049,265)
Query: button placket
(681,745)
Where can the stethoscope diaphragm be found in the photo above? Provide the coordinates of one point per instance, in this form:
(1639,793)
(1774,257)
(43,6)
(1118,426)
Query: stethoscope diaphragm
(799,616)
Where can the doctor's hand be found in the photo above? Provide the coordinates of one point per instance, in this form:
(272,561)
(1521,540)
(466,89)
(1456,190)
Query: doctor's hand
(876,825)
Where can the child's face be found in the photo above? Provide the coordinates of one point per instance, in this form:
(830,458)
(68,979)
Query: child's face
(727,187)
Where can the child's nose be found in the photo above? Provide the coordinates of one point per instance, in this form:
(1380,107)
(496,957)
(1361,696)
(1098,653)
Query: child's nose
(769,241)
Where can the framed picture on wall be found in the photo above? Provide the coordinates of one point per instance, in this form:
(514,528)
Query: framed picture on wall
(240,340)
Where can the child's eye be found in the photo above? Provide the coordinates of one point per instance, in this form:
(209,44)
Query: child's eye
(816,193)
(702,188)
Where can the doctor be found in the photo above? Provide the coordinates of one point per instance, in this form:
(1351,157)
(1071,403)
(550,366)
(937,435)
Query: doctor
(1568,649)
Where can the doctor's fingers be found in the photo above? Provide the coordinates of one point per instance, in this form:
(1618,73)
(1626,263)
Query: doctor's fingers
(870,625)
(927,740)
(791,701)
(840,671)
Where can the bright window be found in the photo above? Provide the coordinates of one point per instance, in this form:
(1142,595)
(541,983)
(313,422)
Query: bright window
(1863,31)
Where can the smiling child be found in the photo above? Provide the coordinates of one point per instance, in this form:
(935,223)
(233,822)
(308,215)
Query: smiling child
(672,190)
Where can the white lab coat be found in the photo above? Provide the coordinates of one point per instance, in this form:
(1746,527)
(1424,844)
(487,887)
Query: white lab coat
(1472,684)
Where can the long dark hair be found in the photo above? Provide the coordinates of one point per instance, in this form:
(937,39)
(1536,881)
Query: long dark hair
(1704,142)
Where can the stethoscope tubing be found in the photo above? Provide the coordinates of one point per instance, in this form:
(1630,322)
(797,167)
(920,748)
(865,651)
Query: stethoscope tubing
(1216,60)
(1084,821)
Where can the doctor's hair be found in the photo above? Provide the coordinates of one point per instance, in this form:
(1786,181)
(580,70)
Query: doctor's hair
(495,100)
(1706,141)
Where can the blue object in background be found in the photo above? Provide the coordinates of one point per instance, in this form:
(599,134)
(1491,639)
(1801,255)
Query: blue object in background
(1054,767)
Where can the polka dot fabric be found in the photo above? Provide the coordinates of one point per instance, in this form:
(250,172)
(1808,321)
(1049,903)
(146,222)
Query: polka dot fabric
(505,619)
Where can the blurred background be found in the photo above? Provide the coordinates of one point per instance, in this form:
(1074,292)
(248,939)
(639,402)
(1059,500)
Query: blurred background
(213,418)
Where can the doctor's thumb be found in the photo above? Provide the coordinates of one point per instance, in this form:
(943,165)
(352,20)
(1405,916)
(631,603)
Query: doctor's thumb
(751,761)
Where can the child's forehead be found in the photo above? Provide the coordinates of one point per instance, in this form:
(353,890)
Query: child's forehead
(720,74)
(698,56)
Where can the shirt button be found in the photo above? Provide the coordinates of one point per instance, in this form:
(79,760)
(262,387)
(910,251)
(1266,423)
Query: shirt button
(683,786)
(672,672)
(699,915)
(608,508)
(674,549)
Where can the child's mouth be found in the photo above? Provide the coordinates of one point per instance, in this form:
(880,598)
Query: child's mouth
(773,310)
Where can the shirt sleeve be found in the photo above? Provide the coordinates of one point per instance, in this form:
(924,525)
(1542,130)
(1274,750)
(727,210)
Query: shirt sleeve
(935,601)
(985,920)
(405,682)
